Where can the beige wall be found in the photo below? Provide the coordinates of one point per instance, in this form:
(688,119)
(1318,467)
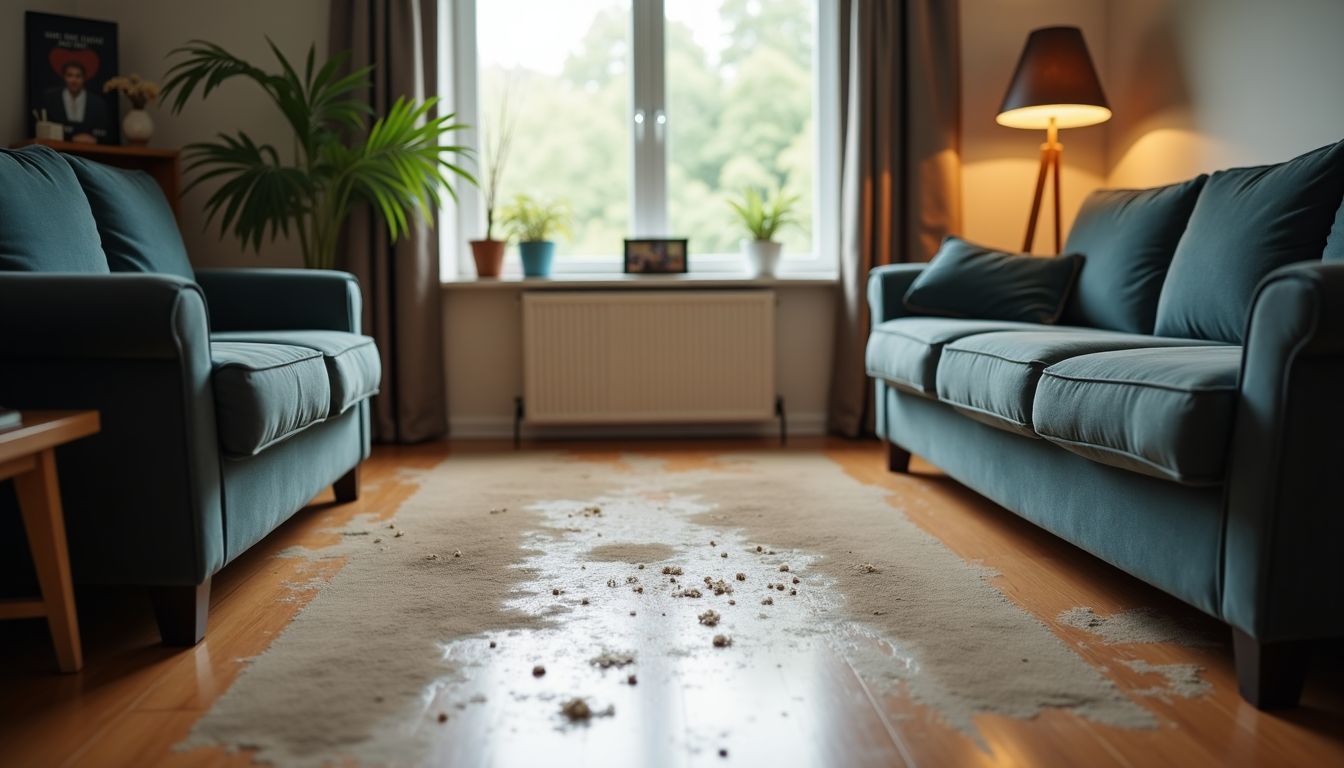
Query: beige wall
(1199,85)
(999,164)
(147,30)
(1195,85)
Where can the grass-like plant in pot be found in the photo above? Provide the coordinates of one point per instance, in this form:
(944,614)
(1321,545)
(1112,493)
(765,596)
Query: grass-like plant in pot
(763,215)
(488,253)
(399,165)
(533,223)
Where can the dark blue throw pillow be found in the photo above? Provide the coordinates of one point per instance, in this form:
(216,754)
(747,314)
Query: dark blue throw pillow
(45,221)
(1247,223)
(137,227)
(1127,237)
(968,280)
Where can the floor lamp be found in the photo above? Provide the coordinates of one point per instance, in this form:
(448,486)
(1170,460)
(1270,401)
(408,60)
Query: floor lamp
(1055,86)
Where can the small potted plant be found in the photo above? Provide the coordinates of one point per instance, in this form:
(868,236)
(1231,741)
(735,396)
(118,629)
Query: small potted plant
(763,215)
(137,126)
(489,252)
(533,223)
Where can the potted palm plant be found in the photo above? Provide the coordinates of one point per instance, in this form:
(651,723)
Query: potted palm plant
(489,253)
(533,223)
(399,165)
(763,215)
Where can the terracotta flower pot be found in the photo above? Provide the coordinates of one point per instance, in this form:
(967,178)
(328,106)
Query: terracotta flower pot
(489,256)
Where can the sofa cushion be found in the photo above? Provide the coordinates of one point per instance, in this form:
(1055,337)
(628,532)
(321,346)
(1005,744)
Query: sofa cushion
(137,226)
(905,351)
(1161,412)
(45,221)
(1126,238)
(1247,223)
(265,393)
(971,281)
(353,367)
(992,377)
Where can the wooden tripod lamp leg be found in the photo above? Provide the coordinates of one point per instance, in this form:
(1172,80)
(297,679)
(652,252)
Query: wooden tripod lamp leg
(1055,155)
(1036,199)
(1051,152)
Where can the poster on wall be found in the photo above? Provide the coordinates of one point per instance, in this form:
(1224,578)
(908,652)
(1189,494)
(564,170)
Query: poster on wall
(69,59)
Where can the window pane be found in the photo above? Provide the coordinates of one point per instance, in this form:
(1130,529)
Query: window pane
(565,67)
(739,94)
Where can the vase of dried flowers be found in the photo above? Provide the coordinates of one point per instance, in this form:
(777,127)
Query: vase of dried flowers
(137,126)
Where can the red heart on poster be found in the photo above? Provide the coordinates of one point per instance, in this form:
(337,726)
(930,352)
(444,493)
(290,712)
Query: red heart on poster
(85,57)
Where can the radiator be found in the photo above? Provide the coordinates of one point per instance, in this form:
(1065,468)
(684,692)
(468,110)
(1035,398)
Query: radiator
(646,356)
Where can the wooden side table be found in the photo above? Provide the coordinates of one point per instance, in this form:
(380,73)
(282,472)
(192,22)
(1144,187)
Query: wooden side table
(28,455)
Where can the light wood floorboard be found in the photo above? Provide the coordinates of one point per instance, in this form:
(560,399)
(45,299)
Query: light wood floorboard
(135,699)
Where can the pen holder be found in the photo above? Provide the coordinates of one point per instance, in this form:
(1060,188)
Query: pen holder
(50,131)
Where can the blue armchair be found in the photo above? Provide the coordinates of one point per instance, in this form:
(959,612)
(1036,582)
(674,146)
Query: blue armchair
(228,399)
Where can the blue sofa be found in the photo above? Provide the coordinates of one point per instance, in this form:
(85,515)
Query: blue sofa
(1183,420)
(229,398)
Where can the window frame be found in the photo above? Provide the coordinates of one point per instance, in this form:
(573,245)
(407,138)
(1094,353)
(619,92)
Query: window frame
(649,119)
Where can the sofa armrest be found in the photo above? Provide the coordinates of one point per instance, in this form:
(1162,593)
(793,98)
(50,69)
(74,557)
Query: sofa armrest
(142,497)
(1284,535)
(281,299)
(107,316)
(886,290)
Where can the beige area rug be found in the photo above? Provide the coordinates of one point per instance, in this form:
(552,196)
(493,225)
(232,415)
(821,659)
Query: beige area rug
(599,571)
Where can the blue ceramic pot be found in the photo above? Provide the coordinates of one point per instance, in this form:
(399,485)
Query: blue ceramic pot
(537,257)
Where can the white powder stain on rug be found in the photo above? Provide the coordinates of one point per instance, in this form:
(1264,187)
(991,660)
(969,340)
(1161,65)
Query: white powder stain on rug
(348,675)
(422,642)
(1138,625)
(956,642)
(1181,680)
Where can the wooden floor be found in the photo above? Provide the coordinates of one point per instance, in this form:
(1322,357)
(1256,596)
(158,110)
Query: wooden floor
(135,699)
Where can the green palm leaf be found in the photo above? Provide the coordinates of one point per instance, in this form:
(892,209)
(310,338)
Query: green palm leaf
(258,194)
(400,168)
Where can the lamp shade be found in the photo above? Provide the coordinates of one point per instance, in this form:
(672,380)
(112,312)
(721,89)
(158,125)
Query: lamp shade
(1054,79)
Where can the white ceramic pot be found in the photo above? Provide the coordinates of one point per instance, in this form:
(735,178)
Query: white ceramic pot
(137,127)
(762,256)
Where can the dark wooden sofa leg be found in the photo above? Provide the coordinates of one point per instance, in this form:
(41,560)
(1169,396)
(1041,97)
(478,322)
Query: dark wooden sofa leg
(181,612)
(1270,675)
(898,459)
(347,488)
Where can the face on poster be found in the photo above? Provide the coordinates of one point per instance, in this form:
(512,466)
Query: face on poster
(69,60)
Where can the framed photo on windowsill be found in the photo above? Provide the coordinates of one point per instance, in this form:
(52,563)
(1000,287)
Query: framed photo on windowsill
(655,256)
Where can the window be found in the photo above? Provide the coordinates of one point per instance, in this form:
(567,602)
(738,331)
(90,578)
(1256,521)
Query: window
(644,116)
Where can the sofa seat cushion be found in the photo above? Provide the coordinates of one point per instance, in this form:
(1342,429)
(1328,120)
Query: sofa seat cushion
(904,352)
(354,369)
(1161,412)
(265,393)
(992,377)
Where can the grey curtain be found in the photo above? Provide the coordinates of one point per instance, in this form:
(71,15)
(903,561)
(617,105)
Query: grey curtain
(400,282)
(900,87)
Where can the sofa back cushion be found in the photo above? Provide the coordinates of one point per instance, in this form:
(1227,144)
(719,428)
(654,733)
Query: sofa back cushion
(137,227)
(1247,223)
(1127,238)
(45,221)
(1334,245)
(971,281)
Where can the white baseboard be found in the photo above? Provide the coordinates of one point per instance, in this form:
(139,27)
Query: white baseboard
(501,426)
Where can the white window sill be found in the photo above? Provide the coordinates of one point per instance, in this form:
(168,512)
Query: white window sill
(570,281)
